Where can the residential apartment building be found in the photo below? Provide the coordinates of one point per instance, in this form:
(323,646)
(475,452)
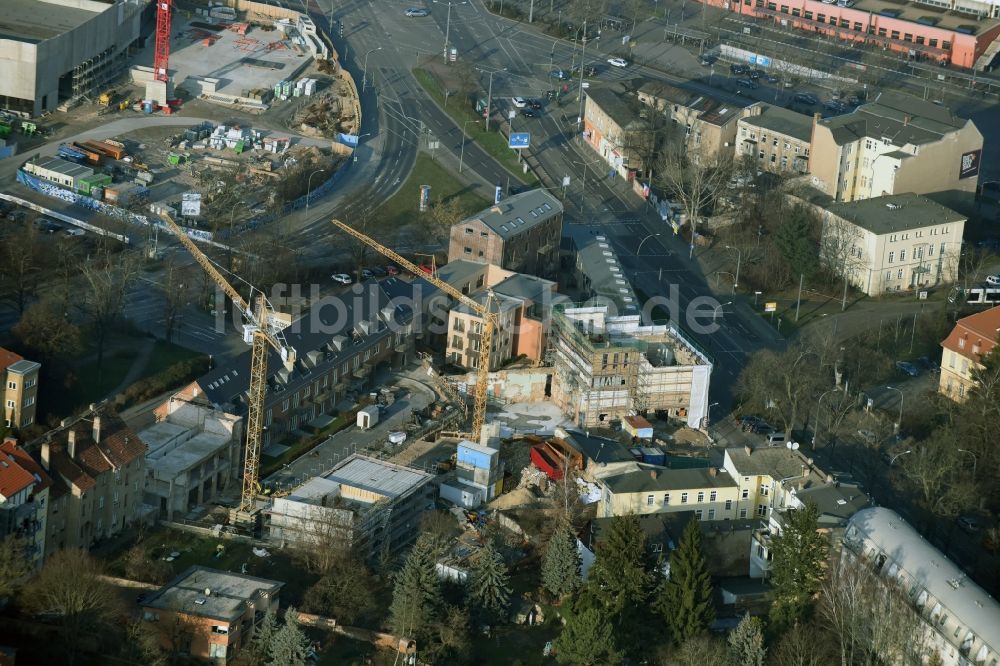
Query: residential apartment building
(613,127)
(520,233)
(892,243)
(923,30)
(20,389)
(893,145)
(339,350)
(521,303)
(709,492)
(963,350)
(960,620)
(97,466)
(606,367)
(219,609)
(709,124)
(778,140)
(598,277)
(767,476)
(193,453)
(369,505)
(835,503)
(24,494)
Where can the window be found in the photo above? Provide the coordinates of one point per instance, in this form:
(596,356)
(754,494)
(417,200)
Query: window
(468,230)
(100,502)
(684,498)
(764,489)
(712,496)
(649,500)
(219,629)
(217,650)
(12,385)
(930,250)
(761,510)
(698,514)
(701,497)
(899,274)
(666,498)
(902,255)
(892,255)
(743,513)
(729,505)
(888,275)
(467,250)
(894,34)
(746,493)
(10,403)
(711,514)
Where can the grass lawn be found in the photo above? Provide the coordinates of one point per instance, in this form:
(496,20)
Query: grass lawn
(88,387)
(401,209)
(493,142)
(512,642)
(165,355)
(195,549)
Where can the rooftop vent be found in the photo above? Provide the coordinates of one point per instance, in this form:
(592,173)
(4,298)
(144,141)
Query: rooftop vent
(199,602)
(893,206)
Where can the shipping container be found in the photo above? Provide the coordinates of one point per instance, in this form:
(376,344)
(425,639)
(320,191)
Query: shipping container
(653,456)
(543,461)
(636,453)
(92,157)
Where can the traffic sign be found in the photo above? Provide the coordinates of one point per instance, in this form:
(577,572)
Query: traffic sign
(519,140)
(770,307)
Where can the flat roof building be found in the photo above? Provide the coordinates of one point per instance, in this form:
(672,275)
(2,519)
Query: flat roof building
(58,50)
(369,505)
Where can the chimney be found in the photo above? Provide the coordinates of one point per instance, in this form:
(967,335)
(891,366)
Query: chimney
(906,120)
(46,452)
(653,473)
(97,429)
(748,449)
(713,471)
(71,443)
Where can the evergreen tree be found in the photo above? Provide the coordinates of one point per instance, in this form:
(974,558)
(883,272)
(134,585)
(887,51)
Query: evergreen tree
(796,242)
(290,645)
(561,562)
(587,640)
(489,582)
(621,577)
(263,638)
(416,594)
(798,555)
(746,643)
(685,598)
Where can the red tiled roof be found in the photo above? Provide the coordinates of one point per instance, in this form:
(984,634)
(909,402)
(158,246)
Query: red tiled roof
(8,358)
(13,477)
(118,447)
(27,462)
(978,330)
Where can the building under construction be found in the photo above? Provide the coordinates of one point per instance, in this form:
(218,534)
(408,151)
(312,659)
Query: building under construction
(607,367)
(61,50)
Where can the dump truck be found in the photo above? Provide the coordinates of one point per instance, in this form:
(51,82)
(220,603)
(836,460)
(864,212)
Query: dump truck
(107,97)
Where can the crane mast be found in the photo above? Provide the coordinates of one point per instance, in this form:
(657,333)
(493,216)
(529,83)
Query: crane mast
(489,317)
(262,332)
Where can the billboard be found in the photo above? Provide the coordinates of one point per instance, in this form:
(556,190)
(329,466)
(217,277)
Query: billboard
(497,194)
(970,164)
(519,140)
(190,204)
(425,197)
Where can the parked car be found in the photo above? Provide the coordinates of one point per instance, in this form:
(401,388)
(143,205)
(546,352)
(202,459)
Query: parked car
(559,74)
(377,271)
(529,113)
(755,74)
(755,424)
(775,439)
(391,270)
(747,83)
(417,12)
(805,98)
(771,78)
(535,104)
(970,524)
(908,368)
(342,278)
(929,364)
(737,70)
(618,62)
(366,274)
(993,279)
(519,102)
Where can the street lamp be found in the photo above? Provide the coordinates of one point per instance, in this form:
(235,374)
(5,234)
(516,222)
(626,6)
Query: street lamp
(639,249)
(583,183)
(364,68)
(489,94)
(447,25)
(309,185)
(819,405)
(461,157)
(708,415)
(893,459)
(975,459)
(739,260)
(899,423)
(715,312)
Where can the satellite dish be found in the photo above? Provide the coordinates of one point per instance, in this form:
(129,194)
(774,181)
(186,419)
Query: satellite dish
(795,446)
(788,445)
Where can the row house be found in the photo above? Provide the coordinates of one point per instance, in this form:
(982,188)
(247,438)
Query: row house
(775,139)
(24,494)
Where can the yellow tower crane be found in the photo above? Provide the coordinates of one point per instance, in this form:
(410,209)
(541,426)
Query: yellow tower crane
(485,311)
(262,330)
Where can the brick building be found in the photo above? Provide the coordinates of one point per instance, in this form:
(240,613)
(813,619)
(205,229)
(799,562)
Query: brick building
(521,234)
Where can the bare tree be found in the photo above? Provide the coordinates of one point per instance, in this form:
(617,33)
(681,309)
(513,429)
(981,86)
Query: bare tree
(841,251)
(20,268)
(782,383)
(14,565)
(695,180)
(70,590)
(934,472)
(804,646)
(46,329)
(322,535)
(177,291)
(108,277)
(870,616)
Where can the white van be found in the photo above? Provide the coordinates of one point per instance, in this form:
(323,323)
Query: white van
(776,439)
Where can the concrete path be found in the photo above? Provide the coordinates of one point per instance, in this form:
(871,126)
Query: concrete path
(135,372)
